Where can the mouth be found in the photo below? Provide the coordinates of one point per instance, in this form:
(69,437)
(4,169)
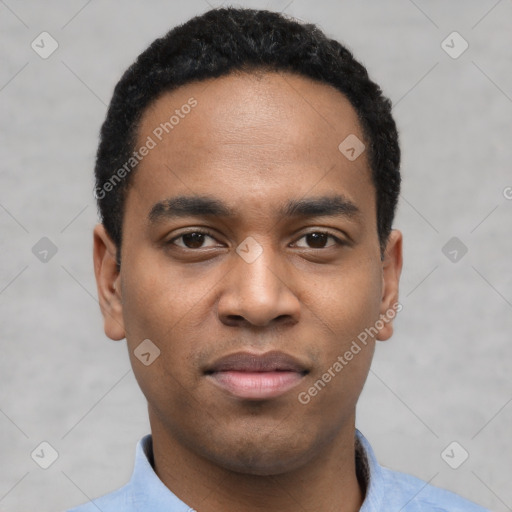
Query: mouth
(257,376)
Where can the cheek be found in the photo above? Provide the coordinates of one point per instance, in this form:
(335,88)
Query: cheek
(332,394)
(156,297)
(344,355)
(156,309)
(345,313)
(349,301)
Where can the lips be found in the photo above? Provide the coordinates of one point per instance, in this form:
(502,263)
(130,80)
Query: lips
(253,376)
(249,362)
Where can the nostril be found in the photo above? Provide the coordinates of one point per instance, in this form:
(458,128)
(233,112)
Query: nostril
(233,320)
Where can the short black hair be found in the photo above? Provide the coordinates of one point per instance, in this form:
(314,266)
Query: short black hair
(226,40)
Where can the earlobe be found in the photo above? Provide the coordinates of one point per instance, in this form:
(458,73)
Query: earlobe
(108,283)
(391,270)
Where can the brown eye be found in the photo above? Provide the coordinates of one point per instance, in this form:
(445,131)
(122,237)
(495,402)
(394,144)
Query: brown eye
(318,240)
(192,240)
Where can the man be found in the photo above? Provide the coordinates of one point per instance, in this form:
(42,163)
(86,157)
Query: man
(247,178)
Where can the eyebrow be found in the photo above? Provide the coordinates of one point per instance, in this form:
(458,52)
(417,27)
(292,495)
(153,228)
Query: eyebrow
(206,206)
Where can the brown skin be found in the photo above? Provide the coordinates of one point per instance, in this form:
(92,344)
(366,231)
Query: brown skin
(252,142)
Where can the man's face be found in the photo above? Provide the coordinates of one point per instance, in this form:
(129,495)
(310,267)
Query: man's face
(262,279)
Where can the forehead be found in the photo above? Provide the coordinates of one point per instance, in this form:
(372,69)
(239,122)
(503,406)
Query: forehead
(250,108)
(267,136)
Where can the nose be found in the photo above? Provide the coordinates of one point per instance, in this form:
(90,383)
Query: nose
(258,293)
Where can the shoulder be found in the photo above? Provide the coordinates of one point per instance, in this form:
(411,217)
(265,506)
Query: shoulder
(126,497)
(112,502)
(393,490)
(416,495)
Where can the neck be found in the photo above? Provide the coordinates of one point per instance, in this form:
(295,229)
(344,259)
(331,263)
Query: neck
(326,483)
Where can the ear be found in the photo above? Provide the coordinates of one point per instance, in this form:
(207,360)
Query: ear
(391,270)
(108,283)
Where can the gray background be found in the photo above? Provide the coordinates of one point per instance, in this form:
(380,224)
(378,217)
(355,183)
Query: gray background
(444,376)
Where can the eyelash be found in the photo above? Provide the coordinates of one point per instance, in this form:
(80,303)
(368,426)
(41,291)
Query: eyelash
(337,240)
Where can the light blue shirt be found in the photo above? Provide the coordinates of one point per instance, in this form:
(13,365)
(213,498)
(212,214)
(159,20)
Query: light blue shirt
(386,490)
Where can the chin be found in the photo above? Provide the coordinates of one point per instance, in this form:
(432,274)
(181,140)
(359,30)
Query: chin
(259,457)
(276,464)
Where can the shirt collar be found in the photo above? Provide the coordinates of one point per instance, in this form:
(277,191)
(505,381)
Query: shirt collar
(371,472)
(148,492)
(147,488)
